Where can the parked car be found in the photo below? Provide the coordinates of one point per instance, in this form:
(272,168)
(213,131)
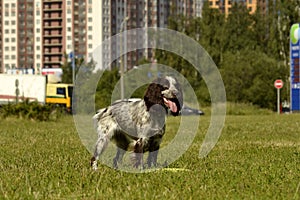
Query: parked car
(190,111)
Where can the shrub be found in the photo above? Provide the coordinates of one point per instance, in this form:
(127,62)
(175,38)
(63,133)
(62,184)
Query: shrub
(31,110)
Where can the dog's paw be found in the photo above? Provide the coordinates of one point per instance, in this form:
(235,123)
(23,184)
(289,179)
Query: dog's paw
(94,163)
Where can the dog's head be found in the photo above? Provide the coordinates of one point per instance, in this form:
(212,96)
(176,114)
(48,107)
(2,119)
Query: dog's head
(165,92)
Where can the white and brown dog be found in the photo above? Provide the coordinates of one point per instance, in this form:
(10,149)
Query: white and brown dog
(138,126)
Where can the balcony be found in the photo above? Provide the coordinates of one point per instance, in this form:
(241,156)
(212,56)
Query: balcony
(48,53)
(53,44)
(52,17)
(53,27)
(52,35)
(52,1)
(52,62)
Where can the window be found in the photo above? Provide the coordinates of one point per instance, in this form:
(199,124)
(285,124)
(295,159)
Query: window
(6,22)
(90,10)
(6,31)
(6,5)
(61,91)
(6,48)
(38,30)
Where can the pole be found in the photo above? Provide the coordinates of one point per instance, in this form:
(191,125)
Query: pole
(122,71)
(278,101)
(73,68)
(121,62)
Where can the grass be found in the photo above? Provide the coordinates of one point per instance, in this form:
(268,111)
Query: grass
(256,157)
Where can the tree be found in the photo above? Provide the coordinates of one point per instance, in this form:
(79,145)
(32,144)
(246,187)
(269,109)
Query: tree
(212,32)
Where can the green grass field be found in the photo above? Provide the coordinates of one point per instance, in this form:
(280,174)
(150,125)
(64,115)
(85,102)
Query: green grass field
(256,157)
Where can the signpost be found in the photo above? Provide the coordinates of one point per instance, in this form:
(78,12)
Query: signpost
(278,84)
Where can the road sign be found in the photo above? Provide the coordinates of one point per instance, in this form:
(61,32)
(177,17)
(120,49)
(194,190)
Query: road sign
(295,67)
(278,84)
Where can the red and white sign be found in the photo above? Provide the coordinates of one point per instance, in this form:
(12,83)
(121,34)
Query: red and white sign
(278,84)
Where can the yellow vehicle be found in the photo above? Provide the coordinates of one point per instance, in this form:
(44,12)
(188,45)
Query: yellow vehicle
(60,93)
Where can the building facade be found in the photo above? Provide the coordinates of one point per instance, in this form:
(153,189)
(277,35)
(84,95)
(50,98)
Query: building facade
(37,34)
(226,5)
(143,14)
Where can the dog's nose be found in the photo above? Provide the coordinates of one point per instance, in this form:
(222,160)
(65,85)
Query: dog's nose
(176,93)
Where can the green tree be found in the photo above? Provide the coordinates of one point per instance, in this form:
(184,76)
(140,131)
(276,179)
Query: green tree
(212,32)
(105,88)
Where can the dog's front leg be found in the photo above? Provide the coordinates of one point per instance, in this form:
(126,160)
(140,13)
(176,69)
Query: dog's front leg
(100,147)
(152,157)
(138,153)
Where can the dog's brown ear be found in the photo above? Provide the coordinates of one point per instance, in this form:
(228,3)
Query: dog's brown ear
(153,95)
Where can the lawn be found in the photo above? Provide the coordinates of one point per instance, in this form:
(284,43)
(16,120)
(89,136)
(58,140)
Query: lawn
(256,157)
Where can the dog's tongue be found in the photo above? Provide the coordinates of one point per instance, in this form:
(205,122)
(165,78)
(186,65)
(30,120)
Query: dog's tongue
(171,105)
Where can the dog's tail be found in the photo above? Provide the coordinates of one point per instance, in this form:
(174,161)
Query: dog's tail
(97,116)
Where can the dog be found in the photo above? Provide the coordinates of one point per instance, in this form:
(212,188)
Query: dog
(138,126)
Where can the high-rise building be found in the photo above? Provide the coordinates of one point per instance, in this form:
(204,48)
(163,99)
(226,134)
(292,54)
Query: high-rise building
(143,14)
(38,34)
(226,5)
(1,46)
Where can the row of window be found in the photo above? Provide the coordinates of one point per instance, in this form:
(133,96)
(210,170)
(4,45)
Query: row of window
(70,2)
(90,46)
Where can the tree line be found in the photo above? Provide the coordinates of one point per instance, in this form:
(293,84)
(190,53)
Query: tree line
(251,51)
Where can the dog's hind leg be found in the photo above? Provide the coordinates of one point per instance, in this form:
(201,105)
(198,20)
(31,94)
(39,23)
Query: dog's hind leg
(138,153)
(119,157)
(101,144)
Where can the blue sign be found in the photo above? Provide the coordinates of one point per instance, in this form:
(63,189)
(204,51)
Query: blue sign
(71,55)
(295,67)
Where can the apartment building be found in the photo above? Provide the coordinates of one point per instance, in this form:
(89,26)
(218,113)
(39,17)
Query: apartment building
(145,13)
(1,46)
(226,5)
(37,34)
